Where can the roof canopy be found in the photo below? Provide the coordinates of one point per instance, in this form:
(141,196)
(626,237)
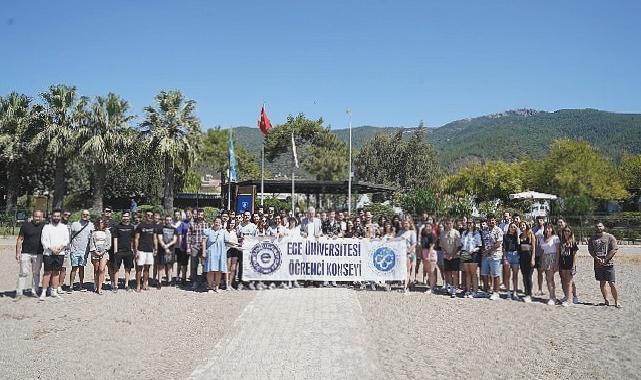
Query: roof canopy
(305,186)
(532,195)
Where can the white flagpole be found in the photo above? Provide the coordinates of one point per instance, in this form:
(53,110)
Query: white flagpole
(262,169)
(349,168)
(229,172)
(293,171)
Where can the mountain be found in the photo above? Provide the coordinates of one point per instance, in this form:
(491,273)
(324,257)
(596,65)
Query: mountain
(507,135)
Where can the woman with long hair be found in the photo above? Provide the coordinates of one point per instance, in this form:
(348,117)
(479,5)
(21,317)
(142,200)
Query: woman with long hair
(99,244)
(428,256)
(409,236)
(551,248)
(214,248)
(471,244)
(511,257)
(233,254)
(527,247)
(567,263)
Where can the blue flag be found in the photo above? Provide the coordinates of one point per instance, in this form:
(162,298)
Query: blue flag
(233,165)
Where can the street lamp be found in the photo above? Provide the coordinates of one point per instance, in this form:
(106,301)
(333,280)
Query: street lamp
(46,194)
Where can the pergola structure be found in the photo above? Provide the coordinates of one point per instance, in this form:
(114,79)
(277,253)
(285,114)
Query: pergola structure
(303,186)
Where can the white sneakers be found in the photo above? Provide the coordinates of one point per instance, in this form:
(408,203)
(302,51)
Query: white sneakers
(527,299)
(551,302)
(494,296)
(565,304)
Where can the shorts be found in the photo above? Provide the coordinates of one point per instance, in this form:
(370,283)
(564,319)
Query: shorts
(78,259)
(565,263)
(602,273)
(233,253)
(513,258)
(469,257)
(548,262)
(53,263)
(182,258)
(490,267)
(537,262)
(144,258)
(429,256)
(439,258)
(67,260)
(126,258)
(164,258)
(453,265)
(96,256)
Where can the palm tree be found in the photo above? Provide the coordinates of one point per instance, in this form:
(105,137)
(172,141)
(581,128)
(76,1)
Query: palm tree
(65,112)
(173,132)
(105,140)
(16,116)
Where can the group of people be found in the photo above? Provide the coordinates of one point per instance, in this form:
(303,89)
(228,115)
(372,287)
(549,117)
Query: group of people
(457,249)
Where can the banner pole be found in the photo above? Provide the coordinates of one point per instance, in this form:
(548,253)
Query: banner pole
(349,169)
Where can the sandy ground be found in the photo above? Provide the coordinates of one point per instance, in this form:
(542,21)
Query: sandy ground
(422,335)
(170,332)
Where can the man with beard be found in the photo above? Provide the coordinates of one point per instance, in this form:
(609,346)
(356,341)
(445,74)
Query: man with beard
(54,239)
(80,232)
(145,245)
(123,247)
(29,253)
(194,244)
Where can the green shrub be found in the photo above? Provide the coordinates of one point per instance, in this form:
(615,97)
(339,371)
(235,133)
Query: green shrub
(210,213)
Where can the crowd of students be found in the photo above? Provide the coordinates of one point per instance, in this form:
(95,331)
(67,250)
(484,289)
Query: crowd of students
(472,258)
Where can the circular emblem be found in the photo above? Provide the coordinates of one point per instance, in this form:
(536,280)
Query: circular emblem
(384,259)
(265,257)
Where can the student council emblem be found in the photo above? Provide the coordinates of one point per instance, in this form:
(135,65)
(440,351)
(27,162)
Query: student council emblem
(265,257)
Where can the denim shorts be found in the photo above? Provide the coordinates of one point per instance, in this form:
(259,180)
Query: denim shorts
(490,267)
(78,259)
(513,258)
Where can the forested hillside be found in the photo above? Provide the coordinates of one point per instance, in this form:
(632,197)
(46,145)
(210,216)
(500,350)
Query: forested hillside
(509,135)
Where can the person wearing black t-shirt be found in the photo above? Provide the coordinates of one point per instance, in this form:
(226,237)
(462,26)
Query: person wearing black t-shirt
(167,237)
(123,236)
(145,244)
(29,253)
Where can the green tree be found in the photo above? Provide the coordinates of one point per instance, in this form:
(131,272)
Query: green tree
(65,112)
(319,151)
(105,140)
(173,131)
(214,156)
(407,164)
(493,180)
(17,117)
(574,168)
(630,169)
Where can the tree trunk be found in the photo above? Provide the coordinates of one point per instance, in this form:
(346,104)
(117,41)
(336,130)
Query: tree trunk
(13,185)
(59,186)
(169,186)
(99,176)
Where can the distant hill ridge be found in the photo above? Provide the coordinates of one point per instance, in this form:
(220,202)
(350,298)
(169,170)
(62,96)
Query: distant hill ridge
(507,135)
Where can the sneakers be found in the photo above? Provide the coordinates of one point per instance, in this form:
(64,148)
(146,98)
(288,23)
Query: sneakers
(508,295)
(515,297)
(284,285)
(272,286)
(406,291)
(527,299)
(494,296)
(252,286)
(575,300)
(296,284)
(325,284)
(55,294)
(452,292)
(551,302)
(43,294)
(388,287)
(334,284)
(260,286)
(565,304)
(372,286)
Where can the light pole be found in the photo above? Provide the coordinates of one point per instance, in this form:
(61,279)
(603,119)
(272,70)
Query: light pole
(349,167)
(46,194)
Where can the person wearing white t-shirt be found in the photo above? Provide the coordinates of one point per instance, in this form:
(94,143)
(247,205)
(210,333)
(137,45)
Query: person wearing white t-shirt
(409,236)
(550,245)
(54,239)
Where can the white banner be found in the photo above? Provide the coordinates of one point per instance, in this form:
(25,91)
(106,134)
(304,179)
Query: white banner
(324,259)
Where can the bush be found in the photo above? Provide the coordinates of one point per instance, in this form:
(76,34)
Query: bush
(379,209)
(276,203)
(210,213)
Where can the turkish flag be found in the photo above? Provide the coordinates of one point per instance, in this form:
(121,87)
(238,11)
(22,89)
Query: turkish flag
(263,123)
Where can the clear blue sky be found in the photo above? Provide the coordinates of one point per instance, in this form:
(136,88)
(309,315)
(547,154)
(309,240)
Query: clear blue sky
(393,63)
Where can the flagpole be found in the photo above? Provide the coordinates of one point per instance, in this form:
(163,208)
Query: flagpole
(293,171)
(349,168)
(262,171)
(229,175)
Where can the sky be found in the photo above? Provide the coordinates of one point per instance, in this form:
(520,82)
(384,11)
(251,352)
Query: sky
(393,63)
